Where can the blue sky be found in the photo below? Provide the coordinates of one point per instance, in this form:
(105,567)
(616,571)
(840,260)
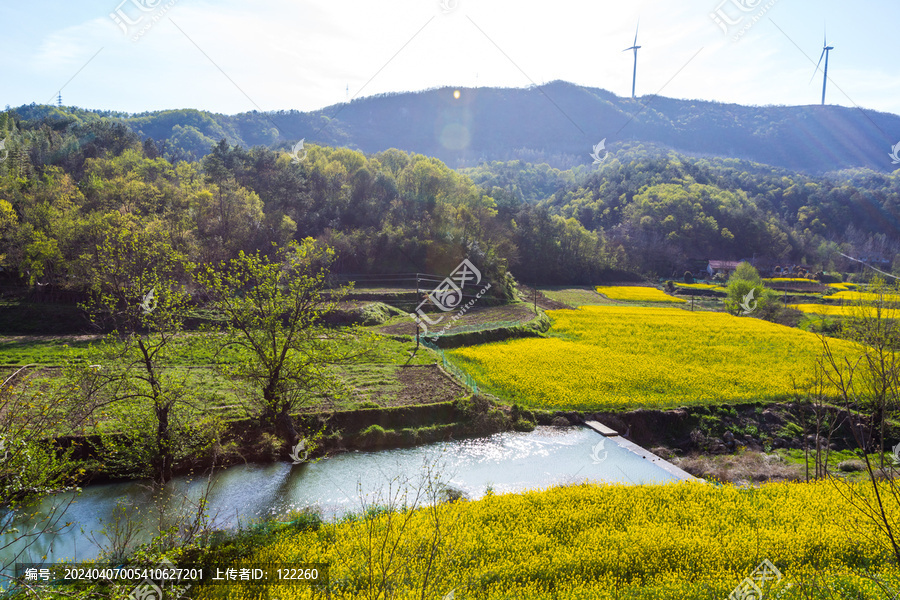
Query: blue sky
(238,55)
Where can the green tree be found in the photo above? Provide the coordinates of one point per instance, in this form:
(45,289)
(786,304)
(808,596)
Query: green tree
(746,292)
(273,310)
(135,292)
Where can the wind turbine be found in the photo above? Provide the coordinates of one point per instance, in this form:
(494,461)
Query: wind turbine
(634,47)
(825,50)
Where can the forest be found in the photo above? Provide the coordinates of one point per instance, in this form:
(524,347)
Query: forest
(67,180)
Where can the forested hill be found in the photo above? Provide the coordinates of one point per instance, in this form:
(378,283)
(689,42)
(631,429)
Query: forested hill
(67,183)
(557,123)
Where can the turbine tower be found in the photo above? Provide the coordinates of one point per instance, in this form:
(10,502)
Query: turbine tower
(634,47)
(825,50)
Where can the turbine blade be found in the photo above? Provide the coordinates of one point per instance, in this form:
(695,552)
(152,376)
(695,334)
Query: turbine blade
(636,31)
(817,65)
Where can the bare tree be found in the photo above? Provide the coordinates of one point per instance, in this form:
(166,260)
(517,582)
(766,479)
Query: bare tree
(867,385)
(35,411)
(402,541)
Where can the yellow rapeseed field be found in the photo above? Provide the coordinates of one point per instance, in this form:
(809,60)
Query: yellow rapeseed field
(614,357)
(684,541)
(636,294)
(701,286)
(847,310)
(850,296)
(789,280)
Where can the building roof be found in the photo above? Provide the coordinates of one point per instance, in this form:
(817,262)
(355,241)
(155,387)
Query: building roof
(724,264)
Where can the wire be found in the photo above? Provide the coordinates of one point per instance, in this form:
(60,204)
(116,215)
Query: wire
(868,265)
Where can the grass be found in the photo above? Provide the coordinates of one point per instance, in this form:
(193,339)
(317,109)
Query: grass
(43,350)
(373,379)
(610,358)
(576,297)
(742,467)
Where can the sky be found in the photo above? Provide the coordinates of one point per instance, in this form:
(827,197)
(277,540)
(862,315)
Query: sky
(233,56)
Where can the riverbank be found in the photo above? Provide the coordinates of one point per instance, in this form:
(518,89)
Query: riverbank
(746,443)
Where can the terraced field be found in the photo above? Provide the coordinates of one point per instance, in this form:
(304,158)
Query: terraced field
(613,357)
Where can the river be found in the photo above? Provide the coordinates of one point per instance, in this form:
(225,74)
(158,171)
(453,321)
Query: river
(342,483)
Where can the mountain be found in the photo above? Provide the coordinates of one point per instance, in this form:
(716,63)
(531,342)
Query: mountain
(557,123)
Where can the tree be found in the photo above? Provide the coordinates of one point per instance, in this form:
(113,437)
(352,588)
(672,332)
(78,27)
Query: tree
(867,384)
(746,292)
(33,413)
(273,310)
(874,326)
(135,292)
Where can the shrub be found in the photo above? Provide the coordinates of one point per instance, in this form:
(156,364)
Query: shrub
(523,425)
(373,435)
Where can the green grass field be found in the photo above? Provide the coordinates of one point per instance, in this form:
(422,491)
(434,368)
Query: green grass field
(374,378)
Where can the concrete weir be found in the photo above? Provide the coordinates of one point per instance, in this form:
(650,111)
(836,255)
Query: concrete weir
(643,453)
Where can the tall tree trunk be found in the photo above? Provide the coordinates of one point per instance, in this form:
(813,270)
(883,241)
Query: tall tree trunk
(163,460)
(284,427)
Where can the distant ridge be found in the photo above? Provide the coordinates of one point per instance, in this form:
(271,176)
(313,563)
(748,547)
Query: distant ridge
(557,123)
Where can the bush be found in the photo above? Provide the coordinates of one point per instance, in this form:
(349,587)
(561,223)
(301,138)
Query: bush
(373,435)
(851,466)
(688,277)
(747,294)
(523,425)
